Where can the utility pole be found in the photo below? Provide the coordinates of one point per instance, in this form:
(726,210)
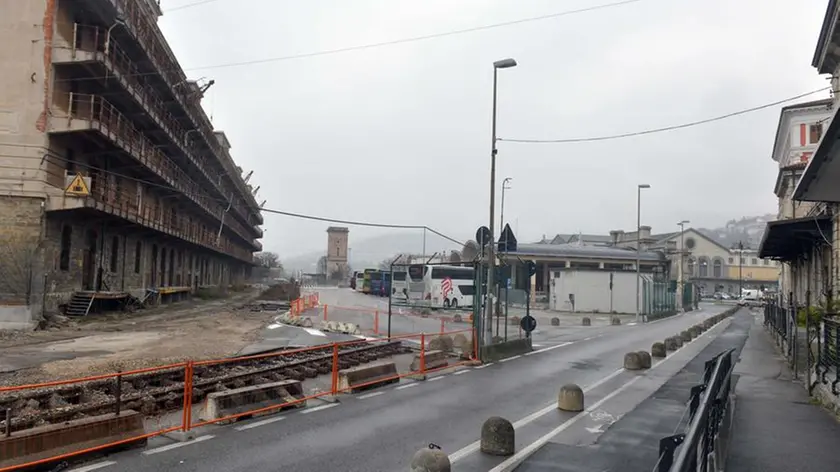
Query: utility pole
(740,247)
(639,247)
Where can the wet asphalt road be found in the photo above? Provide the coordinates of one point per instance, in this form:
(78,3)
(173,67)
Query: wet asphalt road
(380,430)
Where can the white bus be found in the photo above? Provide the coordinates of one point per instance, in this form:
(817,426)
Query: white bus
(399,284)
(430,288)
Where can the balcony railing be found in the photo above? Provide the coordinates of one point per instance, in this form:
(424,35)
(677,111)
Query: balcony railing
(92,39)
(149,37)
(109,121)
(115,196)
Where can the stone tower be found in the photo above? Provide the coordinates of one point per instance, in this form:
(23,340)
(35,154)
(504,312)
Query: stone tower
(336,249)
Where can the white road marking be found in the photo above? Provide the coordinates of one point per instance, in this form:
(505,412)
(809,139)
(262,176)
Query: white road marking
(484,365)
(317,408)
(274,326)
(632,324)
(257,424)
(169,447)
(469,449)
(520,456)
(461,372)
(407,386)
(510,358)
(370,395)
(436,378)
(90,467)
(315,332)
(549,348)
(590,337)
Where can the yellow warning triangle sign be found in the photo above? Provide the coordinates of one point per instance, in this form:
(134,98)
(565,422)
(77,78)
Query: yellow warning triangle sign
(78,187)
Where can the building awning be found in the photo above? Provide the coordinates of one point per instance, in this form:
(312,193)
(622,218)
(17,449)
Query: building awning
(786,240)
(819,180)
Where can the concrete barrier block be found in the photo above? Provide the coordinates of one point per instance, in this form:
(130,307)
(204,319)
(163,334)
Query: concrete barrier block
(694,331)
(459,340)
(555,321)
(570,398)
(513,320)
(430,460)
(658,350)
(51,440)
(501,350)
(615,321)
(498,437)
(363,377)
(442,343)
(632,361)
(679,340)
(586,321)
(242,400)
(671,344)
(467,350)
(434,360)
(685,336)
(645,358)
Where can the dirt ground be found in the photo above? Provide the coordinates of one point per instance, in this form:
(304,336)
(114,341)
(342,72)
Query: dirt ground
(119,341)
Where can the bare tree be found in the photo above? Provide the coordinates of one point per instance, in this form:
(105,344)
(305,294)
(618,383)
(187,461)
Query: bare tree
(269,260)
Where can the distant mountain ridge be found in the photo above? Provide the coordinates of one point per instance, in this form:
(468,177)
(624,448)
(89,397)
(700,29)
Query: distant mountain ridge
(748,229)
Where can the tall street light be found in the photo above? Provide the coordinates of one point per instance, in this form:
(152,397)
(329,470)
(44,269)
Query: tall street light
(639,247)
(682,261)
(740,247)
(491,270)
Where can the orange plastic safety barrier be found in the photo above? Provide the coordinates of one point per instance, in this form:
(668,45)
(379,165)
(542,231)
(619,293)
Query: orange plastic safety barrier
(194,375)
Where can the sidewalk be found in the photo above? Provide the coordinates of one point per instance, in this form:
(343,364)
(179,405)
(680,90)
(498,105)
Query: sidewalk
(776,426)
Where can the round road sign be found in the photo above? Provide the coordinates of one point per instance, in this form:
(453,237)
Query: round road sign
(528,323)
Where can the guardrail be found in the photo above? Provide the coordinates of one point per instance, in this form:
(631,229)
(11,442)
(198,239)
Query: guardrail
(58,421)
(700,448)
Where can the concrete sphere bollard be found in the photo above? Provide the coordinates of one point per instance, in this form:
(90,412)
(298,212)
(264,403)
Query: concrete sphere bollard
(671,344)
(646,360)
(514,320)
(693,332)
(570,398)
(615,321)
(459,340)
(700,328)
(685,336)
(632,361)
(497,437)
(467,350)
(430,460)
(555,321)
(658,350)
(457,318)
(586,321)
(436,344)
(497,339)
(679,340)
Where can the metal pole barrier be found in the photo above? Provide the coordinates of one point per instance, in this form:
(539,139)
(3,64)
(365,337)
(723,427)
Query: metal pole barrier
(475,343)
(188,394)
(376,322)
(325,312)
(334,386)
(8,422)
(442,329)
(118,394)
(422,353)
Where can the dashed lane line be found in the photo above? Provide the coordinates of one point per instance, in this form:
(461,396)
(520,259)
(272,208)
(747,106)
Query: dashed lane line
(461,372)
(482,366)
(510,358)
(170,447)
(257,424)
(411,385)
(318,408)
(370,395)
(90,467)
(439,377)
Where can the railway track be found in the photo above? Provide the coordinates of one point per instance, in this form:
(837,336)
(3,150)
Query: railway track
(160,392)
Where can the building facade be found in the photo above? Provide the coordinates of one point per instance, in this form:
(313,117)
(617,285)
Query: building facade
(337,240)
(113,179)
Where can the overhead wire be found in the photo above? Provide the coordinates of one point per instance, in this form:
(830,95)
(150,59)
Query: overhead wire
(52,155)
(189,5)
(664,128)
(325,52)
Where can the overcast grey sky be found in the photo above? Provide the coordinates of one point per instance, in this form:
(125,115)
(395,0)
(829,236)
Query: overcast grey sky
(401,133)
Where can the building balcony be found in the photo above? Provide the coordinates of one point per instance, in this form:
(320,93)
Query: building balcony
(143,28)
(86,52)
(117,202)
(91,113)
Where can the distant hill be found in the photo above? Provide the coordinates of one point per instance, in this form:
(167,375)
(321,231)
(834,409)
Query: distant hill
(370,252)
(748,229)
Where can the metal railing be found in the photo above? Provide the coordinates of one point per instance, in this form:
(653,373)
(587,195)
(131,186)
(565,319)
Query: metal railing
(699,448)
(107,119)
(150,38)
(828,354)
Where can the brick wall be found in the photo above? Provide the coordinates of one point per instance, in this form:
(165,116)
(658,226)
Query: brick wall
(20,253)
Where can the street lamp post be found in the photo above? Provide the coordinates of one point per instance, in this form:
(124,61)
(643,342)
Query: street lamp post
(740,247)
(682,261)
(639,247)
(491,266)
(118,21)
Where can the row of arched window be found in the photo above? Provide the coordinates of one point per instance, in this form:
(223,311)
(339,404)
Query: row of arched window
(701,267)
